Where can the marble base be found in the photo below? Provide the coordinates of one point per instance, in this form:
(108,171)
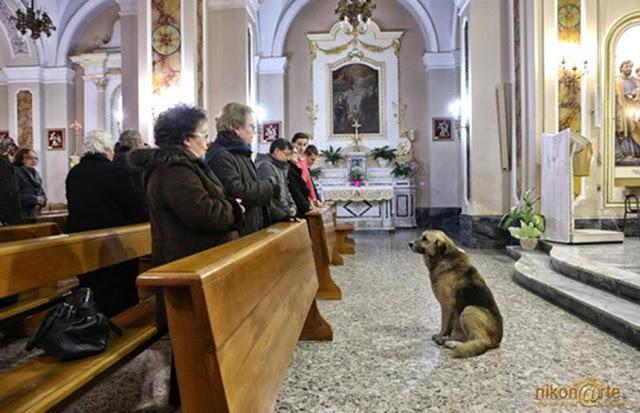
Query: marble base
(482,231)
(612,314)
(610,224)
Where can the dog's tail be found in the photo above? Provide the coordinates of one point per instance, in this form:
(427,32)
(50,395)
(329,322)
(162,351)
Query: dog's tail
(471,348)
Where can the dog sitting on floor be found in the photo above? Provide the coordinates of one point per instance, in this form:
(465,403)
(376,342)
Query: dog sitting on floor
(471,321)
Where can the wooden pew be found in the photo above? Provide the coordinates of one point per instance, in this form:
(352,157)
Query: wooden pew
(323,239)
(59,216)
(345,245)
(235,313)
(42,383)
(20,232)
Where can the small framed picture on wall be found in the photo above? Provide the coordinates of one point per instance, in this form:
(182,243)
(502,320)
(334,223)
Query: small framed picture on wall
(4,134)
(271,131)
(442,129)
(55,139)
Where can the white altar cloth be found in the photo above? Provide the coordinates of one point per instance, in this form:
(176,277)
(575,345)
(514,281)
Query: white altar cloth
(358,194)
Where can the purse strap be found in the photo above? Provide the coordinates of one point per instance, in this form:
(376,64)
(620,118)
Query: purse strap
(46,324)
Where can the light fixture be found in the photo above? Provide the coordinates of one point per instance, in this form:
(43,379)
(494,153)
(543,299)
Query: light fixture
(37,22)
(355,14)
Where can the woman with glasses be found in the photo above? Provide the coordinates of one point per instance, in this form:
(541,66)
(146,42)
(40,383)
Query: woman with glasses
(32,195)
(230,159)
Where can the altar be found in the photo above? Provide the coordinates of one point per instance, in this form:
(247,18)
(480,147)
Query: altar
(382,203)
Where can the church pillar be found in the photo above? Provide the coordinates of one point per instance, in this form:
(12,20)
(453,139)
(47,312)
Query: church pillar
(101,85)
(229,61)
(271,90)
(129,50)
(489,193)
(51,106)
(443,156)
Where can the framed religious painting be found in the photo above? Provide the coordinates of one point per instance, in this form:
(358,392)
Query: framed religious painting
(442,129)
(55,139)
(270,131)
(355,100)
(622,108)
(4,134)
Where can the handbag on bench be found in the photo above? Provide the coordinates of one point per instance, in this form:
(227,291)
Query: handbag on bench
(74,328)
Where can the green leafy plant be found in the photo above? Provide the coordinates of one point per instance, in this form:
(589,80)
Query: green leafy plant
(521,221)
(403,169)
(356,174)
(332,155)
(384,152)
(316,173)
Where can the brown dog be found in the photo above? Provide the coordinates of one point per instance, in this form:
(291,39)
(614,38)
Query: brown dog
(471,321)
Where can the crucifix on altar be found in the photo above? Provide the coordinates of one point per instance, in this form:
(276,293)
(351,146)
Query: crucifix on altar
(357,139)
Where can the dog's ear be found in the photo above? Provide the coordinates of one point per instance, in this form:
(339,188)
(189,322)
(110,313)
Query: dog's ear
(441,247)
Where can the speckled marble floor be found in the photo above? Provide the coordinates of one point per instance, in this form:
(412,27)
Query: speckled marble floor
(383,360)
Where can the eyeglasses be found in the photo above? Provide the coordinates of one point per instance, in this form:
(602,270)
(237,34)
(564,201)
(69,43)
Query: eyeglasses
(204,135)
(251,126)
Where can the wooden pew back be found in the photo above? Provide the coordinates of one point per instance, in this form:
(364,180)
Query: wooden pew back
(28,264)
(323,238)
(20,232)
(235,313)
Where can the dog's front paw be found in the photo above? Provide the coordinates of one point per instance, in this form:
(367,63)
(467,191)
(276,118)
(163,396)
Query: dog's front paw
(439,339)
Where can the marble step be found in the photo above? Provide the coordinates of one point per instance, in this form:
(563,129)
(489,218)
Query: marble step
(596,271)
(616,315)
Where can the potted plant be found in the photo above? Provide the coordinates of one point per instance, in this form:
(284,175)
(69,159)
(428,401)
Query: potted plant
(403,169)
(356,176)
(332,155)
(523,223)
(316,173)
(383,155)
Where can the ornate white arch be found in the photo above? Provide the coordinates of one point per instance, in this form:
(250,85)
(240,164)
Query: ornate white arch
(76,25)
(425,22)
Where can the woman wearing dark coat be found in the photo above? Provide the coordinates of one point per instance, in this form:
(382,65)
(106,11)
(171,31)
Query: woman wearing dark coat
(297,187)
(102,195)
(188,207)
(9,194)
(32,196)
(230,159)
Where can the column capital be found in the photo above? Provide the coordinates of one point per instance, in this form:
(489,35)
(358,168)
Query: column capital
(441,60)
(250,5)
(3,78)
(272,65)
(37,74)
(99,81)
(461,5)
(128,7)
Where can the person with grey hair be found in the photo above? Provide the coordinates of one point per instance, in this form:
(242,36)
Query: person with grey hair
(102,195)
(131,140)
(229,157)
(10,211)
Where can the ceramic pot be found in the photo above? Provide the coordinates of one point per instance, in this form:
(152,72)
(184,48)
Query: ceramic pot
(529,244)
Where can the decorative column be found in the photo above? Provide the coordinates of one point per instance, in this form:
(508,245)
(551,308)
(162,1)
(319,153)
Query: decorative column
(129,50)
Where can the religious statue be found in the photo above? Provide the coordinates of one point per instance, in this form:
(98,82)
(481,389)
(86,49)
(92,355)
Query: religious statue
(627,112)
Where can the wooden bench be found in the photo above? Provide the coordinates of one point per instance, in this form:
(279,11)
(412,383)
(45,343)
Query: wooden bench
(58,216)
(235,313)
(20,232)
(323,240)
(41,383)
(345,245)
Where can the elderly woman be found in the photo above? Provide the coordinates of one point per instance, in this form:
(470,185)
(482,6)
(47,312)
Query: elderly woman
(102,195)
(230,159)
(32,196)
(188,207)
(9,195)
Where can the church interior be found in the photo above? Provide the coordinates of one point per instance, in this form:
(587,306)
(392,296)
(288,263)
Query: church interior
(319,205)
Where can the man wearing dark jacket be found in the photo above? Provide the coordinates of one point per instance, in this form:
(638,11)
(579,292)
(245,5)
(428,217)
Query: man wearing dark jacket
(230,159)
(9,196)
(275,168)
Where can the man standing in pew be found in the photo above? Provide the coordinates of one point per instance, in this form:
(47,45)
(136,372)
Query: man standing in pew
(275,168)
(230,159)
(188,207)
(102,195)
(9,194)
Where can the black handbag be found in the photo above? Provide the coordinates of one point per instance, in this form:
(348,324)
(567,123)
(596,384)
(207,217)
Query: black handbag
(74,328)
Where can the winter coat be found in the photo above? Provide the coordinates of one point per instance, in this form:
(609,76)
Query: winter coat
(188,208)
(9,195)
(230,159)
(121,159)
(272,170)
(298,190)
(30,188)
(101,195)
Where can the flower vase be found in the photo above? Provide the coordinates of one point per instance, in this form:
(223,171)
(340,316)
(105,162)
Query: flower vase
(357,183)
(529,244)
(382,162)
